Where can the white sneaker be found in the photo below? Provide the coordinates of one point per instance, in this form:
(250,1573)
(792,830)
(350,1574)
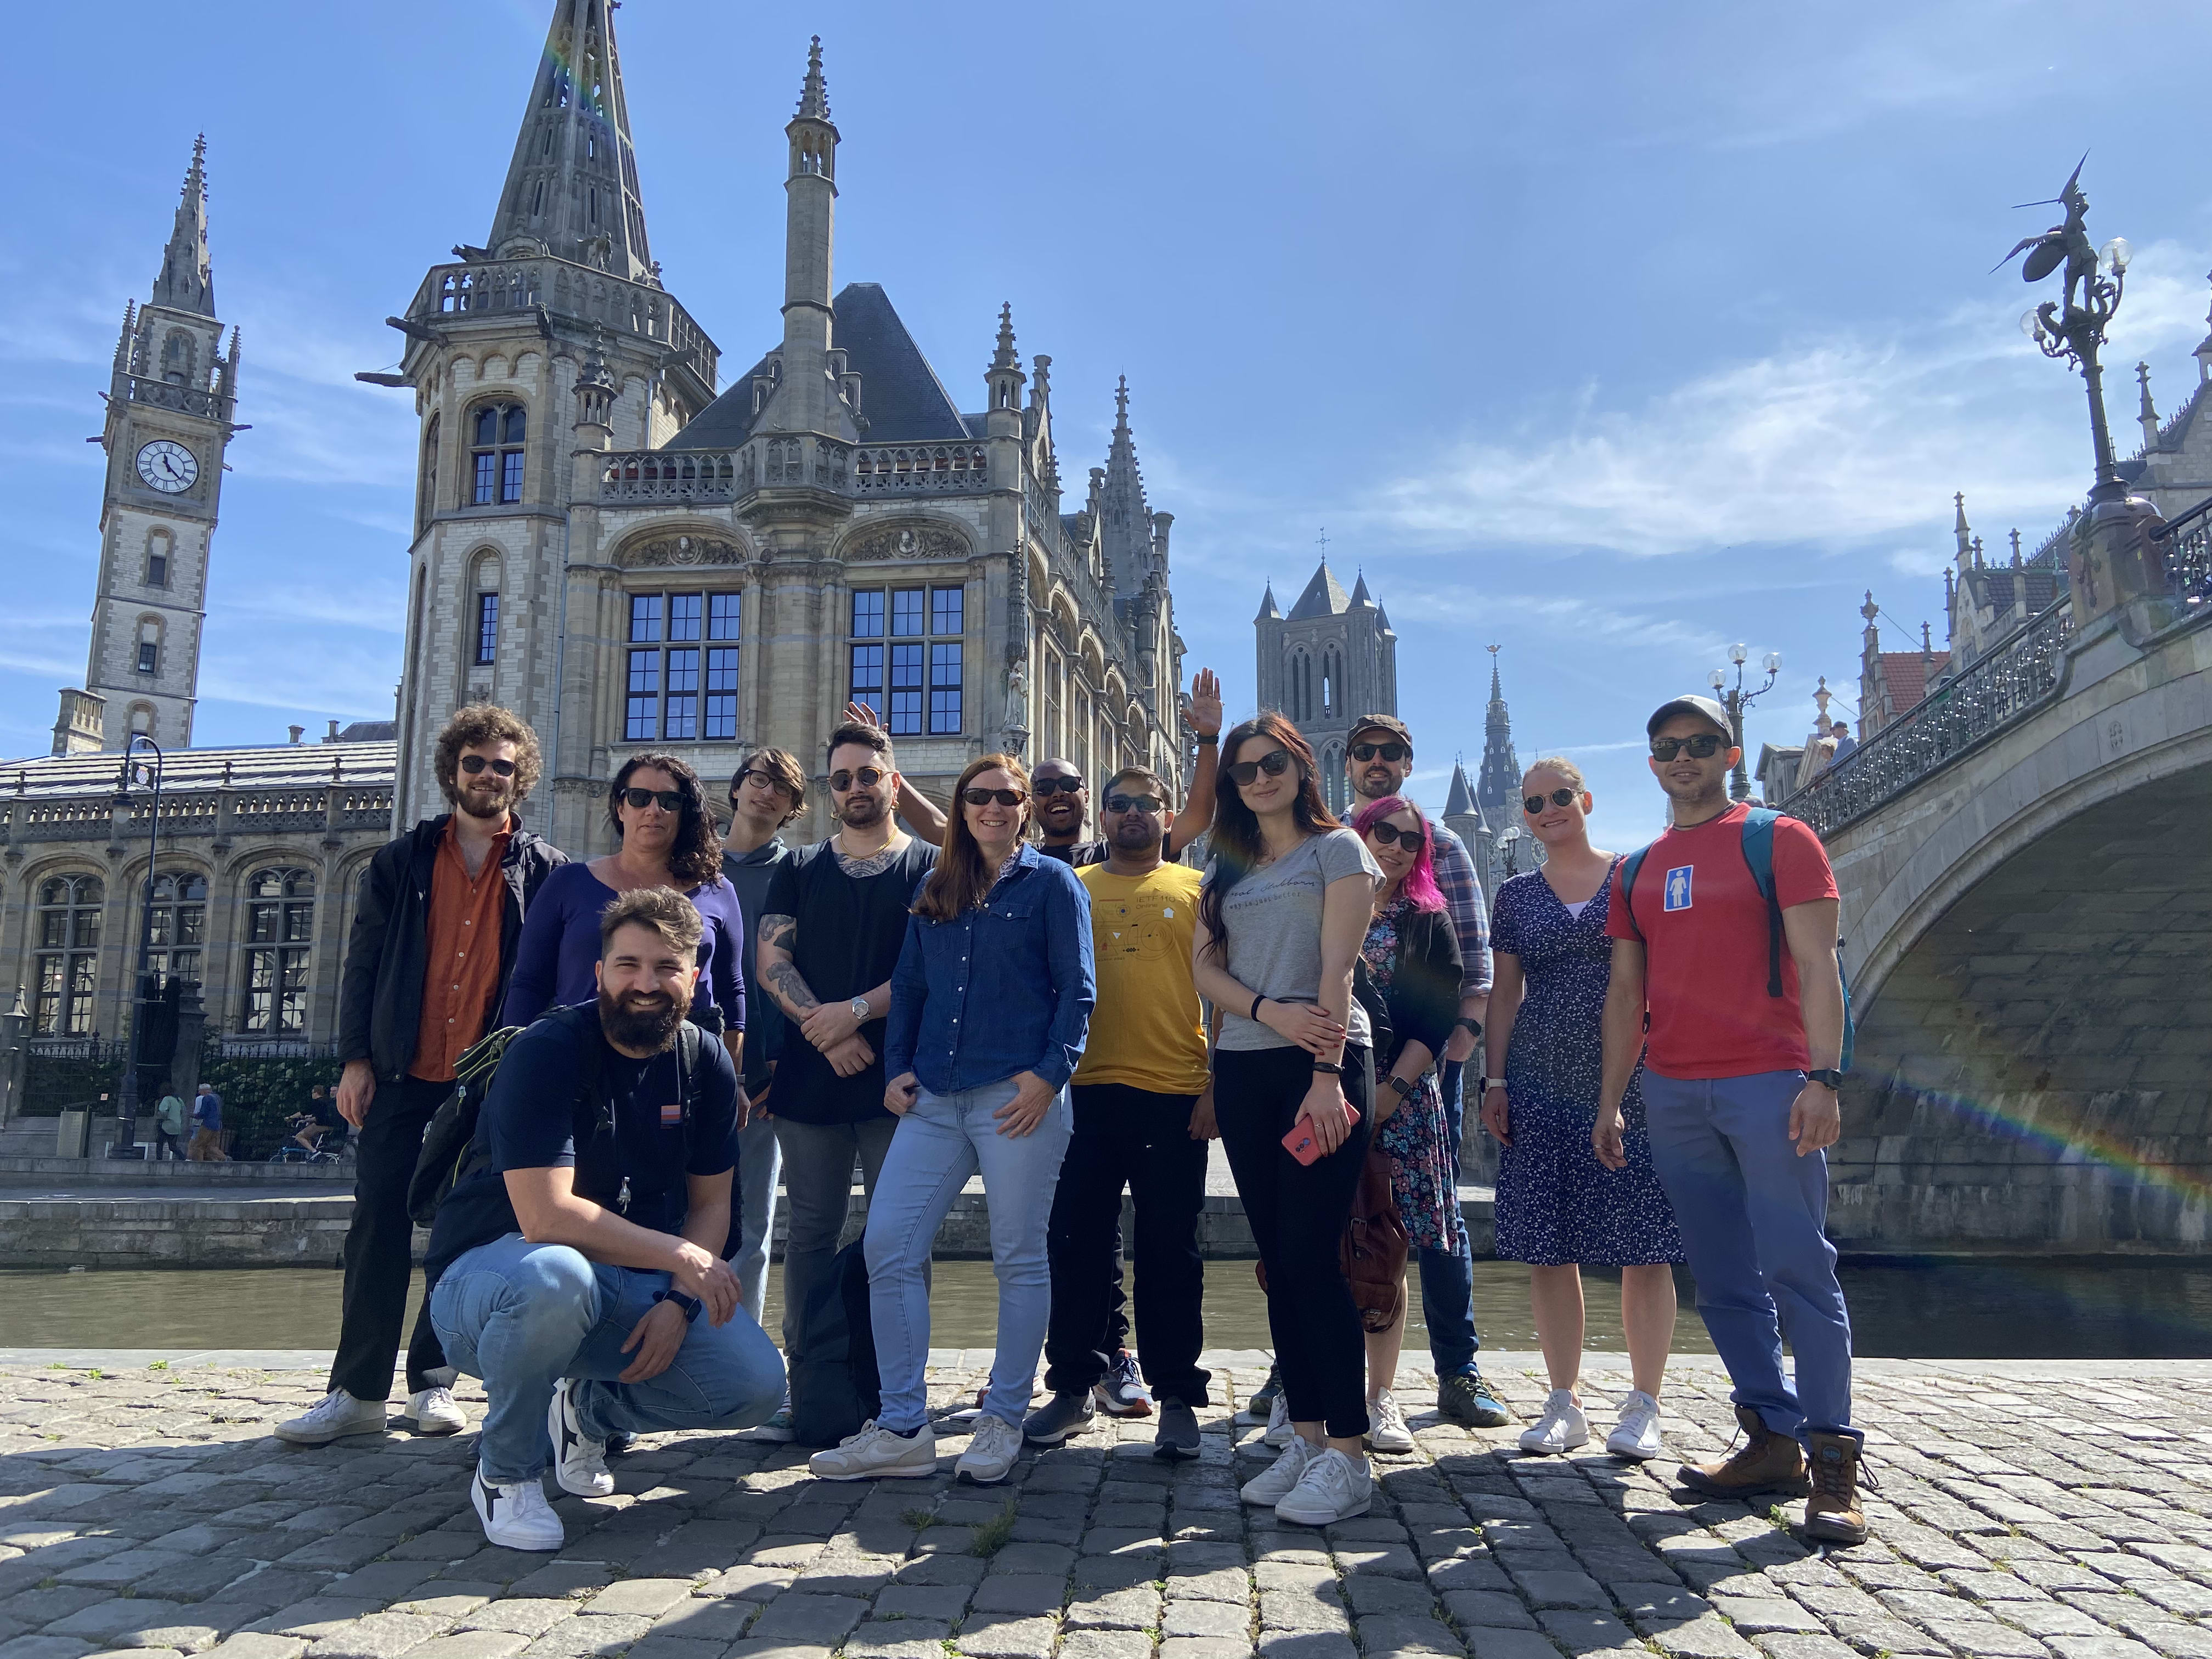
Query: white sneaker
(432,1411)
(516,1517)
(1637,1434)
(1272,1484)
(990,1455)
(1279,1431)
(336,1414)
(1335,1487)
(1561,1428)
(876,1451)
(580,1463)
(1386,1426)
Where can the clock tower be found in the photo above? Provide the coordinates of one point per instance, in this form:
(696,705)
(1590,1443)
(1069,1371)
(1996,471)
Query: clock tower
(169,407)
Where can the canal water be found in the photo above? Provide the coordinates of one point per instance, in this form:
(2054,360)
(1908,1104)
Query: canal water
(1938,1309)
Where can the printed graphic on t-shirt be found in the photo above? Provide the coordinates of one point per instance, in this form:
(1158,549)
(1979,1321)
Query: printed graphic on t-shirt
(671,1114)
(1678,886)
(1135,930)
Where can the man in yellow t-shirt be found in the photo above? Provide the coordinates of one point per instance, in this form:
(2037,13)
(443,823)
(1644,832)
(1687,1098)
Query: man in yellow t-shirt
(1142,1077)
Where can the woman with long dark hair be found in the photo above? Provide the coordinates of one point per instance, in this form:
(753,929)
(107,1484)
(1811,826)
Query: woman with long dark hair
(1413,957)
(990,1003)
(1286,904)
(664,837)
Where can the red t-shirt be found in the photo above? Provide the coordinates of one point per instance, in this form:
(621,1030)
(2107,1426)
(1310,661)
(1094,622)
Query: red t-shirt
(1704,927)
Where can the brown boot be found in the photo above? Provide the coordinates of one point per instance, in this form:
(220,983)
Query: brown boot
(1833,1511)
(1767,1462)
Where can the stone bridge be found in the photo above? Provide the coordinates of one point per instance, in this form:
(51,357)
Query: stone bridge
(2026,861)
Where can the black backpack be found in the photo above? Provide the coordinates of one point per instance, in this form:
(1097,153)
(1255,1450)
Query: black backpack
(834,1388)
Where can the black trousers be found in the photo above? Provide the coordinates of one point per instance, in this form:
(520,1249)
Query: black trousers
(380,1245)
(1127,1137)
(1298,1211)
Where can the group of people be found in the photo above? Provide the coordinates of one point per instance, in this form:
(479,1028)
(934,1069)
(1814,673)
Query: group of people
(985,993)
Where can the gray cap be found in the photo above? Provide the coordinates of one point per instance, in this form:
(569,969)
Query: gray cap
(1704,708)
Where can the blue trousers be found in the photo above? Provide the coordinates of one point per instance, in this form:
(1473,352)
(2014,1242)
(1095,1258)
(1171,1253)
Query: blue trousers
(1448,1276)
(760,1161)
(523,1315)
(1753,1216)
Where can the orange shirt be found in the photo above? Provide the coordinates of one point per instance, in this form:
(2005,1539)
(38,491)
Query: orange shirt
(462,953)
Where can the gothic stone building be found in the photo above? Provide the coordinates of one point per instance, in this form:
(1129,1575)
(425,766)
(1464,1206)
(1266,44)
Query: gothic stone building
(1334,658)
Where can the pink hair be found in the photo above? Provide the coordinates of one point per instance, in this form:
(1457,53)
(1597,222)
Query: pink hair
(1420,883)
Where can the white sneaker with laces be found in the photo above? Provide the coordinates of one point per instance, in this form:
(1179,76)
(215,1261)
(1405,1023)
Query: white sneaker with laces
(580,1463)
(1637,1434)
(1335,1487)
(1561,1428)
(516,1517)
(1279,1431)
(1272,1484)
(432,1411)
(876,1451)
(336,1413)
(1386,1426)
(991,1453)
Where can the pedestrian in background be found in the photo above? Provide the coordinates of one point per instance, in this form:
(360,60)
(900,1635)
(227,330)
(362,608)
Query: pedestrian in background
(206,1145)
(169,1126)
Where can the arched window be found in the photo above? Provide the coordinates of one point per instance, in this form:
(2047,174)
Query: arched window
(68,954)
(280,930)
(179,919)
(149,644)
(176,357)
(429,495)
(157,558)
(141,718)
(495,446)
(483,612)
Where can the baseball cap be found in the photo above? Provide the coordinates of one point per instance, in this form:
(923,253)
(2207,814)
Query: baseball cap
(1389,723)
(1704,708)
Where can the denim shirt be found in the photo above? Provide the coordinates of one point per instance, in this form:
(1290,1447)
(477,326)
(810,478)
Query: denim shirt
(1006,988)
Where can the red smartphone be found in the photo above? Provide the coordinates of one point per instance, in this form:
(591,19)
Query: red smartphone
(1300,1143)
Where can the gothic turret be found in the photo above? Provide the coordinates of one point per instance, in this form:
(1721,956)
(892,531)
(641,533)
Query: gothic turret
(187,279)
(1125,517)
(1497,787)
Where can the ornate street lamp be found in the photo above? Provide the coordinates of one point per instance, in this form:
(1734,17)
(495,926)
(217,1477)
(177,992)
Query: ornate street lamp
(135,770)
(1736,700)
(2073,326)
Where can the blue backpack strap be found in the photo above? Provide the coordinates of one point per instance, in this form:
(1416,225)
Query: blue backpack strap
(1758,854)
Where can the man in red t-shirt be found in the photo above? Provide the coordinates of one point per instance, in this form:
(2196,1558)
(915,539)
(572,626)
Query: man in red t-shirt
(1740,1097)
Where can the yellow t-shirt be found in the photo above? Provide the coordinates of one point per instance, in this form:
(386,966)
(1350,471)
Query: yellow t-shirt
(1146,1030)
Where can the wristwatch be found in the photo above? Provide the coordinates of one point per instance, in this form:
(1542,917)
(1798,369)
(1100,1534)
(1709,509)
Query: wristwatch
(688,1305)
(1834,1079)
(1405,1089)
(1208,737)
(859,1006)
(1490,1083)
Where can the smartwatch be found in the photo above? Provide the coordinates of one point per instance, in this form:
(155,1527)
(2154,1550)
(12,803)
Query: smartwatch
(1834,1079)
(688,1304)
(1405,1089)
(859,1006)
(1490,1083)
(1205,738)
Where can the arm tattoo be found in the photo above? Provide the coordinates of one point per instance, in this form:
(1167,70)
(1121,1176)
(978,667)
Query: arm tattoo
(790,990)
(780,932)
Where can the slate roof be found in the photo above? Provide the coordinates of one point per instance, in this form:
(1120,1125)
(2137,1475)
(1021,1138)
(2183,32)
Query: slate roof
(2000,586)
(275,766)
(1324,597)
(1461,802)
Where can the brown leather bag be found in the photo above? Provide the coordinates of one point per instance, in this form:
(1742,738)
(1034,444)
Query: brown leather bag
(1375,1246)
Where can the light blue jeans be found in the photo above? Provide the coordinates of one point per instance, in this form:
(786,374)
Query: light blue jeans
(940,1142)
(760,1162)
(523,1315)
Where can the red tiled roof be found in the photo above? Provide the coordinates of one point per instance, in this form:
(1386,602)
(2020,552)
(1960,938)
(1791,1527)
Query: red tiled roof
(1906,673)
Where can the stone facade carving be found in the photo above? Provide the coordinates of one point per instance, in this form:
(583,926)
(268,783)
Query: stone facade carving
(909,542)
(681,551)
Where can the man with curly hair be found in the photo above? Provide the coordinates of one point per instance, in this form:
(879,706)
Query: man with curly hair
(432,943)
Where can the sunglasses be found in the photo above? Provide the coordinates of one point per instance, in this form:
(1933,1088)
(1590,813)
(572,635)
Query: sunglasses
(1703,746)
(1534,804)
(669,800)
(985,797)
(473,764)
(1134,804)
(1389,835)
(1389,751)
(1056,786)
(1273,764)
(867,777)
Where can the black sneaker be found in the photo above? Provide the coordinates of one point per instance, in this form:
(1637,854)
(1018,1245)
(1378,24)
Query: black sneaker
(1467,1401)
(1178,1432)
(1261,1405)
(1058,1417)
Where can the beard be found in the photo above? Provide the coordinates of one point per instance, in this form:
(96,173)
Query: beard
(1375,786)
(1136,835)
(861,811)
(637,1021)
(479,800)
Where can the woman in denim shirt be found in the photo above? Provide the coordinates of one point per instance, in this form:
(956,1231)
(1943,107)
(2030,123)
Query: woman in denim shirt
(989,1005)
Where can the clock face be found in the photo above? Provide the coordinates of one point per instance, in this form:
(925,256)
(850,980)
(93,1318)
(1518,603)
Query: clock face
(168,467)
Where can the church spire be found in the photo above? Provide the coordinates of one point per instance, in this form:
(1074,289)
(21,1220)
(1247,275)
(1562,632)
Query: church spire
(1497,786)
(814,91)
(187,280)
(808,396)
(1126,526)
(573,186)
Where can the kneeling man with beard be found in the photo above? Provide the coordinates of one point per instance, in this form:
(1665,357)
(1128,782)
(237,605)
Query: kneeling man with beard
(576,1266)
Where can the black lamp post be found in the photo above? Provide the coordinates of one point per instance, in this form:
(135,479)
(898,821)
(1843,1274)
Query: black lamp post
(1736,700)
(126,1109)
(2073,326)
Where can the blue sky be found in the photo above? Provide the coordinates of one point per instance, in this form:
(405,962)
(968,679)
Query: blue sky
(1609,333)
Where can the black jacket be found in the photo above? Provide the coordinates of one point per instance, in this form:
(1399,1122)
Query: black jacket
(1424,985)
(380,996)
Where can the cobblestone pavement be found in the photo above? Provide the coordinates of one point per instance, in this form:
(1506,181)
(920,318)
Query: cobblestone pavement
(2024,1510)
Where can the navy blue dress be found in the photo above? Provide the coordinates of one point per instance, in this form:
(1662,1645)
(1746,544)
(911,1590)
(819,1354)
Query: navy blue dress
(1555,1202)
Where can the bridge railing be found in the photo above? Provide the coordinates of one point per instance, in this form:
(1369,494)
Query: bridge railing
(2017,676)
(2186,545)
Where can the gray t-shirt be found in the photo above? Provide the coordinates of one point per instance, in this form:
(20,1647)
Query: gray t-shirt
(1273,918)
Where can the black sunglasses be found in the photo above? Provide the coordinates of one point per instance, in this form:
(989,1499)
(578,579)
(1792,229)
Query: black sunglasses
(1533,804)
(1703,746)
(1389,835)
(473,764)
(1389,751)
(1070,786)
(670,800)
(1275,764)
(1132,804)
(984,797)
(867,777)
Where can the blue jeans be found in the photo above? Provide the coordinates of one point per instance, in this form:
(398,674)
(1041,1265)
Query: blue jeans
(523,1315)
(1448,1276)
(1754,1215)
(760,1161)
(941,1141)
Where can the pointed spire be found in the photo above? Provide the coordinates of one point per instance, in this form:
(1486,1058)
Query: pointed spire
(1498,784)
(2147,413)
(187,280)
(1978,552)
(1122,407)
(1958,529)
(2204,353)
(1267,612)
(1128,527)
(1459,801)
(814,94)
(572,186)
(230,367)
(2016,549)
(1005,357)
(123,345)
(1359,593)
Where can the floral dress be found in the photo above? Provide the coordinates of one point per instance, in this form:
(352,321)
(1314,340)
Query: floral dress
(1555,1202)
(1422,1179)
